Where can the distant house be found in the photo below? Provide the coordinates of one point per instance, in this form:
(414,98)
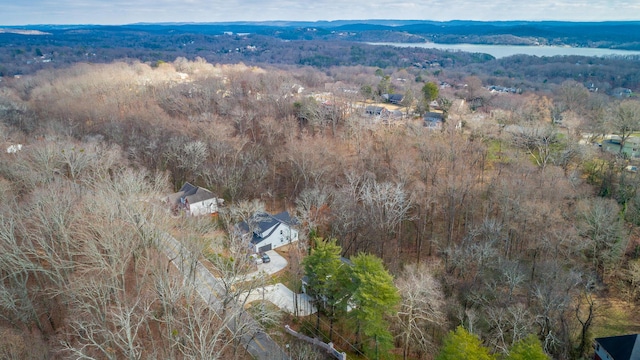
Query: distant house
(14,148)
(624,347)
(621,92)
(503,89)
(393,98)
(372,110)
(631,148)
(433,120)
(393,115)
(194,200)
(267,232)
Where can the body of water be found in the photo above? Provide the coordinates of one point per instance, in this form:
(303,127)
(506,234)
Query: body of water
(500,51)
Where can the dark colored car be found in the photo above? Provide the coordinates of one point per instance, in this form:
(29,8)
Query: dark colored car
(265,258)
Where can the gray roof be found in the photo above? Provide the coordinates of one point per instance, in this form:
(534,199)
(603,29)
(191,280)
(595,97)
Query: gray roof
(433,116)
(393,98)
(201,194)
(624,347)
(263,222)
(193,194)
(374,109)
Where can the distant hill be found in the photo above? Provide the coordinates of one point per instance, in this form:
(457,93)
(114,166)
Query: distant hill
(612,34)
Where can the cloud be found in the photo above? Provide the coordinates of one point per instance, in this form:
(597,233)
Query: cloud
(128,11)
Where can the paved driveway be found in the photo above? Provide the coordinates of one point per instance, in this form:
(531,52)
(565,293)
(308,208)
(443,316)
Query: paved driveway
(278,294)
(282,297)
(276,264)
(258,344)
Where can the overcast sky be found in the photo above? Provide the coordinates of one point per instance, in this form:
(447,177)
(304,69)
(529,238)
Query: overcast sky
(23,12)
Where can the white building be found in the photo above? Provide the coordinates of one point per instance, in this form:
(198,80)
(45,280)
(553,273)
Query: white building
(194,200)
(268,232)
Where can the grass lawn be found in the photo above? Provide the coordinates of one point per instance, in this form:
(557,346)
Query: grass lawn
(617,318)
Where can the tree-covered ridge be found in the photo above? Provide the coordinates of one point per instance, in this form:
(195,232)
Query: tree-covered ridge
(609,34)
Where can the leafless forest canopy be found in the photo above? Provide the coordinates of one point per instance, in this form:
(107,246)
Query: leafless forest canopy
(508,217)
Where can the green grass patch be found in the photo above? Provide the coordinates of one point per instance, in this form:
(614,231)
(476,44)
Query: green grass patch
(496,151)
(292,281)
(619,318)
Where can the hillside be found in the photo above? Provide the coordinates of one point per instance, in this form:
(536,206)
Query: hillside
(478,190)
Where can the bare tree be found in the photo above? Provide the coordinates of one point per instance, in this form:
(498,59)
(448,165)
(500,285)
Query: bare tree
(186,159)
(386,205)
(310,163)
(586,310)
(601,225)
(422,306)
(236,272)
(508,325)
(594,120)
(312,208)
(538,142)
(573,95)
(201,332)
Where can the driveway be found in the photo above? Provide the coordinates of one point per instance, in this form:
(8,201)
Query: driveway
(278,294)
(276,264)
(282,297)
(259,344)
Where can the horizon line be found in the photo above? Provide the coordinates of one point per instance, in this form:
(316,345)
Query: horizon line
(266,22)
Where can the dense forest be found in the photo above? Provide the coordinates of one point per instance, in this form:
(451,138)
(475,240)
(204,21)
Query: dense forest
(25,51)
(510,227)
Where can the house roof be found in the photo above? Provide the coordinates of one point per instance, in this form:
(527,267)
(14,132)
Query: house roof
(263,222)
(201,194)
(394,98)
(187,187)
(433,116)
(373,108)
(193,194)
(624,347)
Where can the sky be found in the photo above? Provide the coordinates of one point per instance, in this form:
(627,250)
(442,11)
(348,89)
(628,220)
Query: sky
(116,12)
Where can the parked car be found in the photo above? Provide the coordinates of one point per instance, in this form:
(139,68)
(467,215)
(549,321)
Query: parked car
(265,258)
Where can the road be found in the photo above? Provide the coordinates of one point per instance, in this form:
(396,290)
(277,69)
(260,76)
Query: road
(258,343)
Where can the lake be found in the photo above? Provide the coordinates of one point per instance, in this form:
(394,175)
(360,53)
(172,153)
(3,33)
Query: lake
(500,51)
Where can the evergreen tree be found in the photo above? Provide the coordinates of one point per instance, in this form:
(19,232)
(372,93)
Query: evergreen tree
(327,281)
(528,348)
(374,298)
(460,344)
(430,92)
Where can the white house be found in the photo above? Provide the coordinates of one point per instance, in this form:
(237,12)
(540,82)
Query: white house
(14,148)
(194,200)
(267,232)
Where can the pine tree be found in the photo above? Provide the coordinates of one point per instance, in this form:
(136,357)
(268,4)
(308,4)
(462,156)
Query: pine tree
(528,348)
(374,298)
(460,344)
